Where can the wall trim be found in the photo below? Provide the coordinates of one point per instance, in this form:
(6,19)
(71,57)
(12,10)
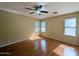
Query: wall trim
(61,41)
(13,42)
(16,12)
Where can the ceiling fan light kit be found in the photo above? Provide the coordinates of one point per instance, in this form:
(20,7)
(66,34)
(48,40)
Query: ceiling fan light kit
(37,9)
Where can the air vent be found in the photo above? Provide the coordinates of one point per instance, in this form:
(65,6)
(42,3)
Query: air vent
(55,12)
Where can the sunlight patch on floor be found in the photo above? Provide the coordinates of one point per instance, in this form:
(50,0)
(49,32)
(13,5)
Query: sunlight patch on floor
(64,50)
(34,36)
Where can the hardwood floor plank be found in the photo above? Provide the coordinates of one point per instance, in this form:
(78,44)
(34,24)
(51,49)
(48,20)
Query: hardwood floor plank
(40,47)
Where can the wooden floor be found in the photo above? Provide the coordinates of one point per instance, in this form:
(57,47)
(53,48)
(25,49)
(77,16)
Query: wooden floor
(40,47)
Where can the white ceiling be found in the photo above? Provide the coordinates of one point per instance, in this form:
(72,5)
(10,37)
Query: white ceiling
(60,7)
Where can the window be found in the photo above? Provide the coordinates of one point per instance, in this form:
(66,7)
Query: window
(36,26)
(43,26)
(70,27)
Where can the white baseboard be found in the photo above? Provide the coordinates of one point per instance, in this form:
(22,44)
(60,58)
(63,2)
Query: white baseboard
(62,41)
(13,42)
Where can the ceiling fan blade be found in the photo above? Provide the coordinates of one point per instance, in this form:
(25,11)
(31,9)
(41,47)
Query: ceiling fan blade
(40,6)
(32,12)
(44,11)
(29,8)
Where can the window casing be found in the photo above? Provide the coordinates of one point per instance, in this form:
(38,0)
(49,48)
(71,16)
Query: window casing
(36,26)
(70,27)
(40,26)
(43,26)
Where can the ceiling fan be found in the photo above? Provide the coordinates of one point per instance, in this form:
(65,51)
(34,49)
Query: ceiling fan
(37,9)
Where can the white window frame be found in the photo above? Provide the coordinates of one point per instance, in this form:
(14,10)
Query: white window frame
(43,26)
(36,26)
(70,27)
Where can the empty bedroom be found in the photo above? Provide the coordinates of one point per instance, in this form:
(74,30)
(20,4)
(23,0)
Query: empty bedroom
(39,28)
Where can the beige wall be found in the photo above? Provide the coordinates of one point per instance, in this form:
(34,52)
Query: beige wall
(55,28)
(14,27)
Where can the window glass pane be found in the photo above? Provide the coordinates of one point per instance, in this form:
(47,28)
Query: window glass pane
(36,29)
(70,27)
(36,24)
(43,26)
(43,29)
(71,22)
(70,31)
(43,23)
